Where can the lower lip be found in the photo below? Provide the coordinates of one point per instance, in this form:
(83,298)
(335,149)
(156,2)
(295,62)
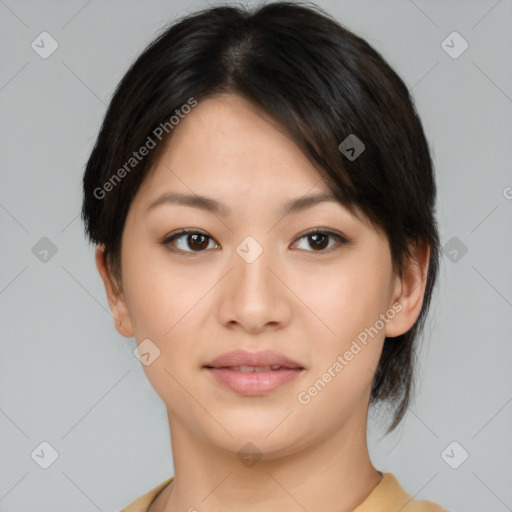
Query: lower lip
(254,383)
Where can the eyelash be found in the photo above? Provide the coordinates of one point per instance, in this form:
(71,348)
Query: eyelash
(167,242)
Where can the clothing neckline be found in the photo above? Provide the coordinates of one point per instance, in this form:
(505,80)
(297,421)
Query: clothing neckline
(160,489)
(387,495)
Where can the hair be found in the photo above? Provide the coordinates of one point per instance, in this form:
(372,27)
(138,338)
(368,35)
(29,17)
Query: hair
(321,83)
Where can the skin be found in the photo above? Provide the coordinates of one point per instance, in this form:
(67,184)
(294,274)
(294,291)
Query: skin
(305,302)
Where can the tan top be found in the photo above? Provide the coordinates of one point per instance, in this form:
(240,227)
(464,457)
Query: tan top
(388,496)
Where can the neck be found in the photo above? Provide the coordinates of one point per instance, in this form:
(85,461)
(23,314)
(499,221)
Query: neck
(334,473)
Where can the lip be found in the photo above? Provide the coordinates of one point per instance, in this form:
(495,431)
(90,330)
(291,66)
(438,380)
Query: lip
(244,358)
(225,369)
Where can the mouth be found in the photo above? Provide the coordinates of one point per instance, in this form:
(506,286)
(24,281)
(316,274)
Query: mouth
(253,373)
(273,368)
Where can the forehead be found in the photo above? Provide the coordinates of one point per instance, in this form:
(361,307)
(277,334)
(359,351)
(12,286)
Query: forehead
(224,143)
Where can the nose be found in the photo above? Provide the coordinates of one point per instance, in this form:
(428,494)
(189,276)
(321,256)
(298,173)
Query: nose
(254,295)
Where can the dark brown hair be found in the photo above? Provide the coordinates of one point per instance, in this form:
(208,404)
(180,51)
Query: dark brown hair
(322,83)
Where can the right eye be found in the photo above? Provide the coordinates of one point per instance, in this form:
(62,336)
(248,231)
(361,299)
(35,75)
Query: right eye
(191,238)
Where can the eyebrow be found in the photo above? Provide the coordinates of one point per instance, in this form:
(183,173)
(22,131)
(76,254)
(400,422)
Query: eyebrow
(211,205)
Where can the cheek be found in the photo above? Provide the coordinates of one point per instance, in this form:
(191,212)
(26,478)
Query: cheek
(349,305)
(159,295)
(343,300)
(164,306)
(346,355)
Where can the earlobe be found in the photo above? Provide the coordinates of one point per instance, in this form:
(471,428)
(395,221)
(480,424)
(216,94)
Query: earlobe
(409,301)
(116,300)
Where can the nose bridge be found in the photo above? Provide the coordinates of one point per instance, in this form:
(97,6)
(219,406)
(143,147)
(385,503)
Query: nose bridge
(252,261)
(254,297)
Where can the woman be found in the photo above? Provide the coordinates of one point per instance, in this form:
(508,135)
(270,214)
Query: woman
(261,195)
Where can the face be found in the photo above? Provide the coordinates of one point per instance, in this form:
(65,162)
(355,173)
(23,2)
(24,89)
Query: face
(250,276)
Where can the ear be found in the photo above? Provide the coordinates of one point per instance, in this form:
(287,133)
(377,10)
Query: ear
(409,291)
(116,299)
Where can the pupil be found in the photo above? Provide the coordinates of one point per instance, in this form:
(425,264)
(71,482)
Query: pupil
(321,245)
(194,238)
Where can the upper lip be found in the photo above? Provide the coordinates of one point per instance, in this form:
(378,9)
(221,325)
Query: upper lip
(243,358)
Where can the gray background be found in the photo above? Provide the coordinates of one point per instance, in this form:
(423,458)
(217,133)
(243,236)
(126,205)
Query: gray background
(68,378)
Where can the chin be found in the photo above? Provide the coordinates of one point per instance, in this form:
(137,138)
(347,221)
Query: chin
(273,435)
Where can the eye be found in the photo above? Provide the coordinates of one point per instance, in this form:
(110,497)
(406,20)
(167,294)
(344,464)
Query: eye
(197,240)
(318,239)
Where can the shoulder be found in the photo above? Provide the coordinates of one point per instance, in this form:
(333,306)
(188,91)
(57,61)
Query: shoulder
(390,496)
(142,503)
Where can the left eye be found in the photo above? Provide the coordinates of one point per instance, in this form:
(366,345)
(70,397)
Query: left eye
(319,239)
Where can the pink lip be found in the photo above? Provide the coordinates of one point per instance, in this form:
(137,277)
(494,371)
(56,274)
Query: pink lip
(244,358)
(253,383)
